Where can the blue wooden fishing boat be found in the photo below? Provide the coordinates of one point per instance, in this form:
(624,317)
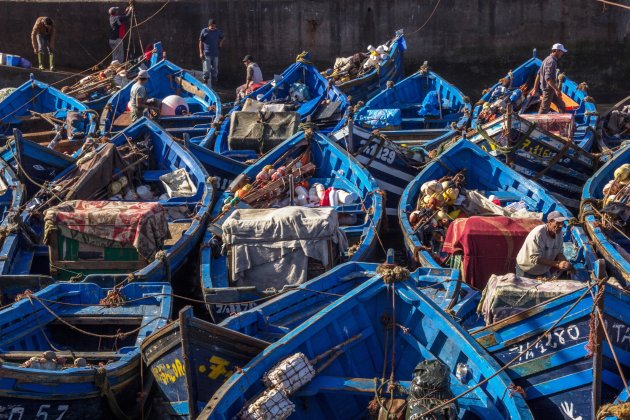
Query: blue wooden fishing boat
(613,127)
(47,116)
(367,85)
(140,178)
(551,149)
(33,163)
(299,89)
(72,350)
(184,104)
(273,319)
(12,195)
(489,177)
(609,236)
(421,107)
(307,156)
(368,341)
(191,358)
(568,354)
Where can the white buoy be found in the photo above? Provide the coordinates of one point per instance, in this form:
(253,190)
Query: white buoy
(173,105)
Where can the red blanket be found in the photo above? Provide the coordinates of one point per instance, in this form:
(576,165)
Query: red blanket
(489,245)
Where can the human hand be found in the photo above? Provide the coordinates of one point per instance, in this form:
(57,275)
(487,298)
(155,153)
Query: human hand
(35,51)
(564,265)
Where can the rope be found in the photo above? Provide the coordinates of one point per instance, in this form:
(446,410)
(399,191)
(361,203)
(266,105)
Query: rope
(517,357)
(621,410)
(428,19)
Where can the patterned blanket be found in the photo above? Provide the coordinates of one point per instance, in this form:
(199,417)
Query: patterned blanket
(110,224)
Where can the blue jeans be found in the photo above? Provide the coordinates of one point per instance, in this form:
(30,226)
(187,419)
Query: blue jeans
(210,68)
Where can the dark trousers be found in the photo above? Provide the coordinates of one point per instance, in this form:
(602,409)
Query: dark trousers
(547,98)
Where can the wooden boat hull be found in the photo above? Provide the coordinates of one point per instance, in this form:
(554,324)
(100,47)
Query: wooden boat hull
(273,319)
(407,97)
(558,376)
(76,392)
(306,73)
(332,162)
(485,173)
(190,359)
(616,264)
(367,86)
(165,79)
(354,327)
(25,259)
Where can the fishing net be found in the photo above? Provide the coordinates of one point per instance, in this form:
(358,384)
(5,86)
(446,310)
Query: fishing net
(272,404)
(290,374)
(430,387)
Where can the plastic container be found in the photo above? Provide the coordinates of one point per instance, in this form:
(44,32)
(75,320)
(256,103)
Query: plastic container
(13,60)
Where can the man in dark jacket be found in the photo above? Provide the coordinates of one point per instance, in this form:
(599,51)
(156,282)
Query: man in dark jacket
(118,25)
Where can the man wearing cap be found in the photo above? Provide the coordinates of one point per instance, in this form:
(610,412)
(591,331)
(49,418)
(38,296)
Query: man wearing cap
(548,80)
(210,41)
(117,30)
(541,253)
(138,96)
(253,76)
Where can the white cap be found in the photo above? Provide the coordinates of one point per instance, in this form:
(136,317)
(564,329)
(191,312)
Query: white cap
(559,47)
(143,74)
(557,216)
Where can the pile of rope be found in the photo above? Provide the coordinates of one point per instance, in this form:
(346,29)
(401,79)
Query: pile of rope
(392,273)
(620,411)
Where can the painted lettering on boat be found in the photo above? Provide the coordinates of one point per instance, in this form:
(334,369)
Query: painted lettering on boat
(384,153)
(216,367)
(619,333)
(167,373)
(44,412)
(559,338)
(232,308)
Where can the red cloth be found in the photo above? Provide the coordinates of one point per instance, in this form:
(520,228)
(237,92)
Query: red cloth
(489,245)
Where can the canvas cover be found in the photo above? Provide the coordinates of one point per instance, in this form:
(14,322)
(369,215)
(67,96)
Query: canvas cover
(489,245)
(110,224)
(92,173)
(560,124)
(261,131)
(271,247)
(508,295)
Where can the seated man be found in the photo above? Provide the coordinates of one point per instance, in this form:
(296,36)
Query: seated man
(541,254)
(139,103)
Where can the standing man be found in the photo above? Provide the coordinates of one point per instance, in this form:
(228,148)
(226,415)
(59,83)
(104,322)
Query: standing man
(43,40)
(542,252)
(210,41)
(547,76)
(138,96)
(253,75)
(117,30)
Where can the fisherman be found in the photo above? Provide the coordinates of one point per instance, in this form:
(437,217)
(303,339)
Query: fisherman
(43,40)
(547,78)
(117,30)
(542,251)
(210,41)
(138,96)
(253,76)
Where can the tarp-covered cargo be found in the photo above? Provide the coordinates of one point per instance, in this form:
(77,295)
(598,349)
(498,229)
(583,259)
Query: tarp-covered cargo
(110,224)
(508,295)
(261,131)
(489,245)
(271,247)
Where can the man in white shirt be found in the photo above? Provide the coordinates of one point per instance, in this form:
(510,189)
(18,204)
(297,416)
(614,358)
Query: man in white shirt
(542,252)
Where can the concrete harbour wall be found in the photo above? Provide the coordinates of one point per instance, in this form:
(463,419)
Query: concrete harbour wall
(471,42)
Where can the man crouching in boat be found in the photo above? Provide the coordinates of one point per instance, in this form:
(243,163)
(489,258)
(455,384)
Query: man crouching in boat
(547,74)
(541,254)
